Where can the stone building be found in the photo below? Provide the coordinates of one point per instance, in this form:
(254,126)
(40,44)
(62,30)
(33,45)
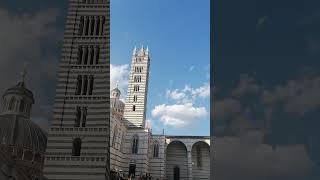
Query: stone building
(22,142)
(78,140)
(135,150)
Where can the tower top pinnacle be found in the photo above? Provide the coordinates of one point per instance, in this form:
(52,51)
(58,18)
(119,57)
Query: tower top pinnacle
(117,85)
(135,50)
(24,72)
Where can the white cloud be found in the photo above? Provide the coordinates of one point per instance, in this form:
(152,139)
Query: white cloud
(176,95)
(261,161)
(203,91)
(119,74)
(189,94)
(179,115)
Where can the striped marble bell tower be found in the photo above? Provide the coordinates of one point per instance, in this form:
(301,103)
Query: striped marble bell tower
(135,106)
(78,140)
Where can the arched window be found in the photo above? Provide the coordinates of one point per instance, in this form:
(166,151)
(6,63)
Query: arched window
(87,26)
(76,147)
(135,144)
(136,88)
(81,25)
(78,117)
(84,116)
(115,132)
(92,25)
(135,98)
(80,54)
(97,55)
(199,160)
(22,105)
(97,27)
(86,55)
(156,149)
(134,108)
(85,85)
(12,103)
(91,55)
(79,85)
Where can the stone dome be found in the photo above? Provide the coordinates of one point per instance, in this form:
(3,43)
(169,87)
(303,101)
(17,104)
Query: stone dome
(21,132)
(116,103)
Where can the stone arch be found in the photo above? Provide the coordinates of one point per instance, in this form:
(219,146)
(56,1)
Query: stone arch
(200,160)
(176,156)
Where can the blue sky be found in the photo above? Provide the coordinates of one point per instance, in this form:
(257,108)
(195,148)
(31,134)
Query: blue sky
(178,35)
(267,96)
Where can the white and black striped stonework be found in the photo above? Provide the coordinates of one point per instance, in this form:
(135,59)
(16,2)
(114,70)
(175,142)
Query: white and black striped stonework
(136,102)
(81,108)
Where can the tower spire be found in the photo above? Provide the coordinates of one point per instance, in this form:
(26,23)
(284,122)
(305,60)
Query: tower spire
(135,50)
(117,84)
(24,72)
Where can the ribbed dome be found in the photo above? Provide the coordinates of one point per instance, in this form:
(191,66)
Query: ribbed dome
(116,90)
(18,131)
(116,103)
(19,89)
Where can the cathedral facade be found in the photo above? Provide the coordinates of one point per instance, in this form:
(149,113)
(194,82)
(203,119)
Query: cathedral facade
(135,150)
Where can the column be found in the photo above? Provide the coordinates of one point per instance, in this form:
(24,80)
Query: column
(82,85)
(84,52)
(95,55)
(87,24)
(189,164)
(91,55)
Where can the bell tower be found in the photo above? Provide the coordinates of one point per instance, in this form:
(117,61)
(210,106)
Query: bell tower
(78,140)
(136,102)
